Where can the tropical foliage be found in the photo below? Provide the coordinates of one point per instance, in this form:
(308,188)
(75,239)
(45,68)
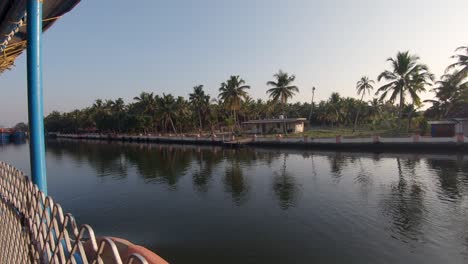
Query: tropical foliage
(232,94)
(397,104)
(282,90)
(363,86)
(407,76)
(451,91)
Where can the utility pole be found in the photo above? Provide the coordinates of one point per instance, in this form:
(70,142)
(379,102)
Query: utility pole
(312,105)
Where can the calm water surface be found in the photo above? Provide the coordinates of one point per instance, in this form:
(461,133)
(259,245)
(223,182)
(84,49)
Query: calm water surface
(212,205)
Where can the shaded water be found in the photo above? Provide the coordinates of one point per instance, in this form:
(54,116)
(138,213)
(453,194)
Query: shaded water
(212,205)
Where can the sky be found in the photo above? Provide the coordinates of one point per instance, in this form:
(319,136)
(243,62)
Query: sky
(115,48)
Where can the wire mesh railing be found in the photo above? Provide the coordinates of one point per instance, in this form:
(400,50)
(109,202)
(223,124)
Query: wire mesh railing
(34,229)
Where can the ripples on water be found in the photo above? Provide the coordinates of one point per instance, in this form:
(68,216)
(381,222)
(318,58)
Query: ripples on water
(197,204)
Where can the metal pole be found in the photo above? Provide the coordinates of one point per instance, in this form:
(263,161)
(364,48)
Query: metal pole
(35,107)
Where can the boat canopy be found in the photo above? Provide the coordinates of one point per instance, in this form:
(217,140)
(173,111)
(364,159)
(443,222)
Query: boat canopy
(13,21)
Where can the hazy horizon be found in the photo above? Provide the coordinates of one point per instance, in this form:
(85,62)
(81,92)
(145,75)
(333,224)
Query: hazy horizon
(106,49)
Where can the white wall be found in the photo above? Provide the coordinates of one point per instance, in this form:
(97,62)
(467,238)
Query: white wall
(299,128)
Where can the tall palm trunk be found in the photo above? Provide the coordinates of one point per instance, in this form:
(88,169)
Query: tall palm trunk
(234,116)
(172,124)
(357,115)
(199,119)
(284,119)
(400,111)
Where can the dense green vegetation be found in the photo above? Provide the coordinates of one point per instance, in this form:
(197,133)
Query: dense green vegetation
(395,107)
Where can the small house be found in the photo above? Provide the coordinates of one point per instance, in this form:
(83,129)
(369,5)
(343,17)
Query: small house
(455,123)
(273,126)
(443,128)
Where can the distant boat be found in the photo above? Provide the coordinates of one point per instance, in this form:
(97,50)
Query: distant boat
(18,135)
(4,137)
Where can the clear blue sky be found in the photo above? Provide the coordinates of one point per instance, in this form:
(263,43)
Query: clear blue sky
(115,48)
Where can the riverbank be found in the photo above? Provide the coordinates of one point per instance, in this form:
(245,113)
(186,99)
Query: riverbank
(373,143)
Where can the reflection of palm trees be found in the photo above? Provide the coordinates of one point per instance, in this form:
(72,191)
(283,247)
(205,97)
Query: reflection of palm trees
(362,176)
(105,158)
(314,170)
(162,165)
(269,157)
(447,172)
(234,181)
(206,160)
(285,187)
(154,163)
(405,205)
(337,161)
(364,179)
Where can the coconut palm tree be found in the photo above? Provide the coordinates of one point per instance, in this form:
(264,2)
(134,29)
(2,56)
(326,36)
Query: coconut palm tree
(147,104)
(199,101)
(461,63)
(98,104)
(362,86)
(375,109)
(183,113)
(118,108)
(406,76)
(282,90)
(451,90)
(233,93)
(167,109)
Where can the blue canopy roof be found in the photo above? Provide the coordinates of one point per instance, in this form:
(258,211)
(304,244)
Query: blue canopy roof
(13,19)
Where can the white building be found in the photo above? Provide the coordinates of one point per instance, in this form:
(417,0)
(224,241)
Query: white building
(273,126)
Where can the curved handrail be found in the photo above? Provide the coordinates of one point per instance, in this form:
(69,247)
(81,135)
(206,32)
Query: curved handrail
(33,222)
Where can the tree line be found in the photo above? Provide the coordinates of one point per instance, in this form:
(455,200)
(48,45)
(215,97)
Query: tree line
(395,104)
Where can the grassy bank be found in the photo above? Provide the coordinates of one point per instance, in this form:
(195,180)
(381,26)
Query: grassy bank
(346,132)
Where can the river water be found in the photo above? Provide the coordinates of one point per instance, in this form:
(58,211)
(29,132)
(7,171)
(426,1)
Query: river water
(198,204)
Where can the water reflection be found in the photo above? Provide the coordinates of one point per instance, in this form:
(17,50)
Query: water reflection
(205,159)
(107,161)
(337,162)
(165,165)
(405,205)
(285,187)
(396,200)
(447,172)
(363,177)
(234,180)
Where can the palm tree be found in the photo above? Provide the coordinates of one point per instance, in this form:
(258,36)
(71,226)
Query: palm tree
(362,86)
(407,76)
(233,93)
(147,105)
(333,108)
(451,90)
(183,113)
(461,63)
(147,102)
(118,107)
(200,101)
(167,110)
(282,90)
(375,109)
(98,104)
(410,111)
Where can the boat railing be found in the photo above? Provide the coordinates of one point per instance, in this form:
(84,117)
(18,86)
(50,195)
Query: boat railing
(34,229)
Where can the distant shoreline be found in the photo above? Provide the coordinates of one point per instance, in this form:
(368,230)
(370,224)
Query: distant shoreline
(368,144)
